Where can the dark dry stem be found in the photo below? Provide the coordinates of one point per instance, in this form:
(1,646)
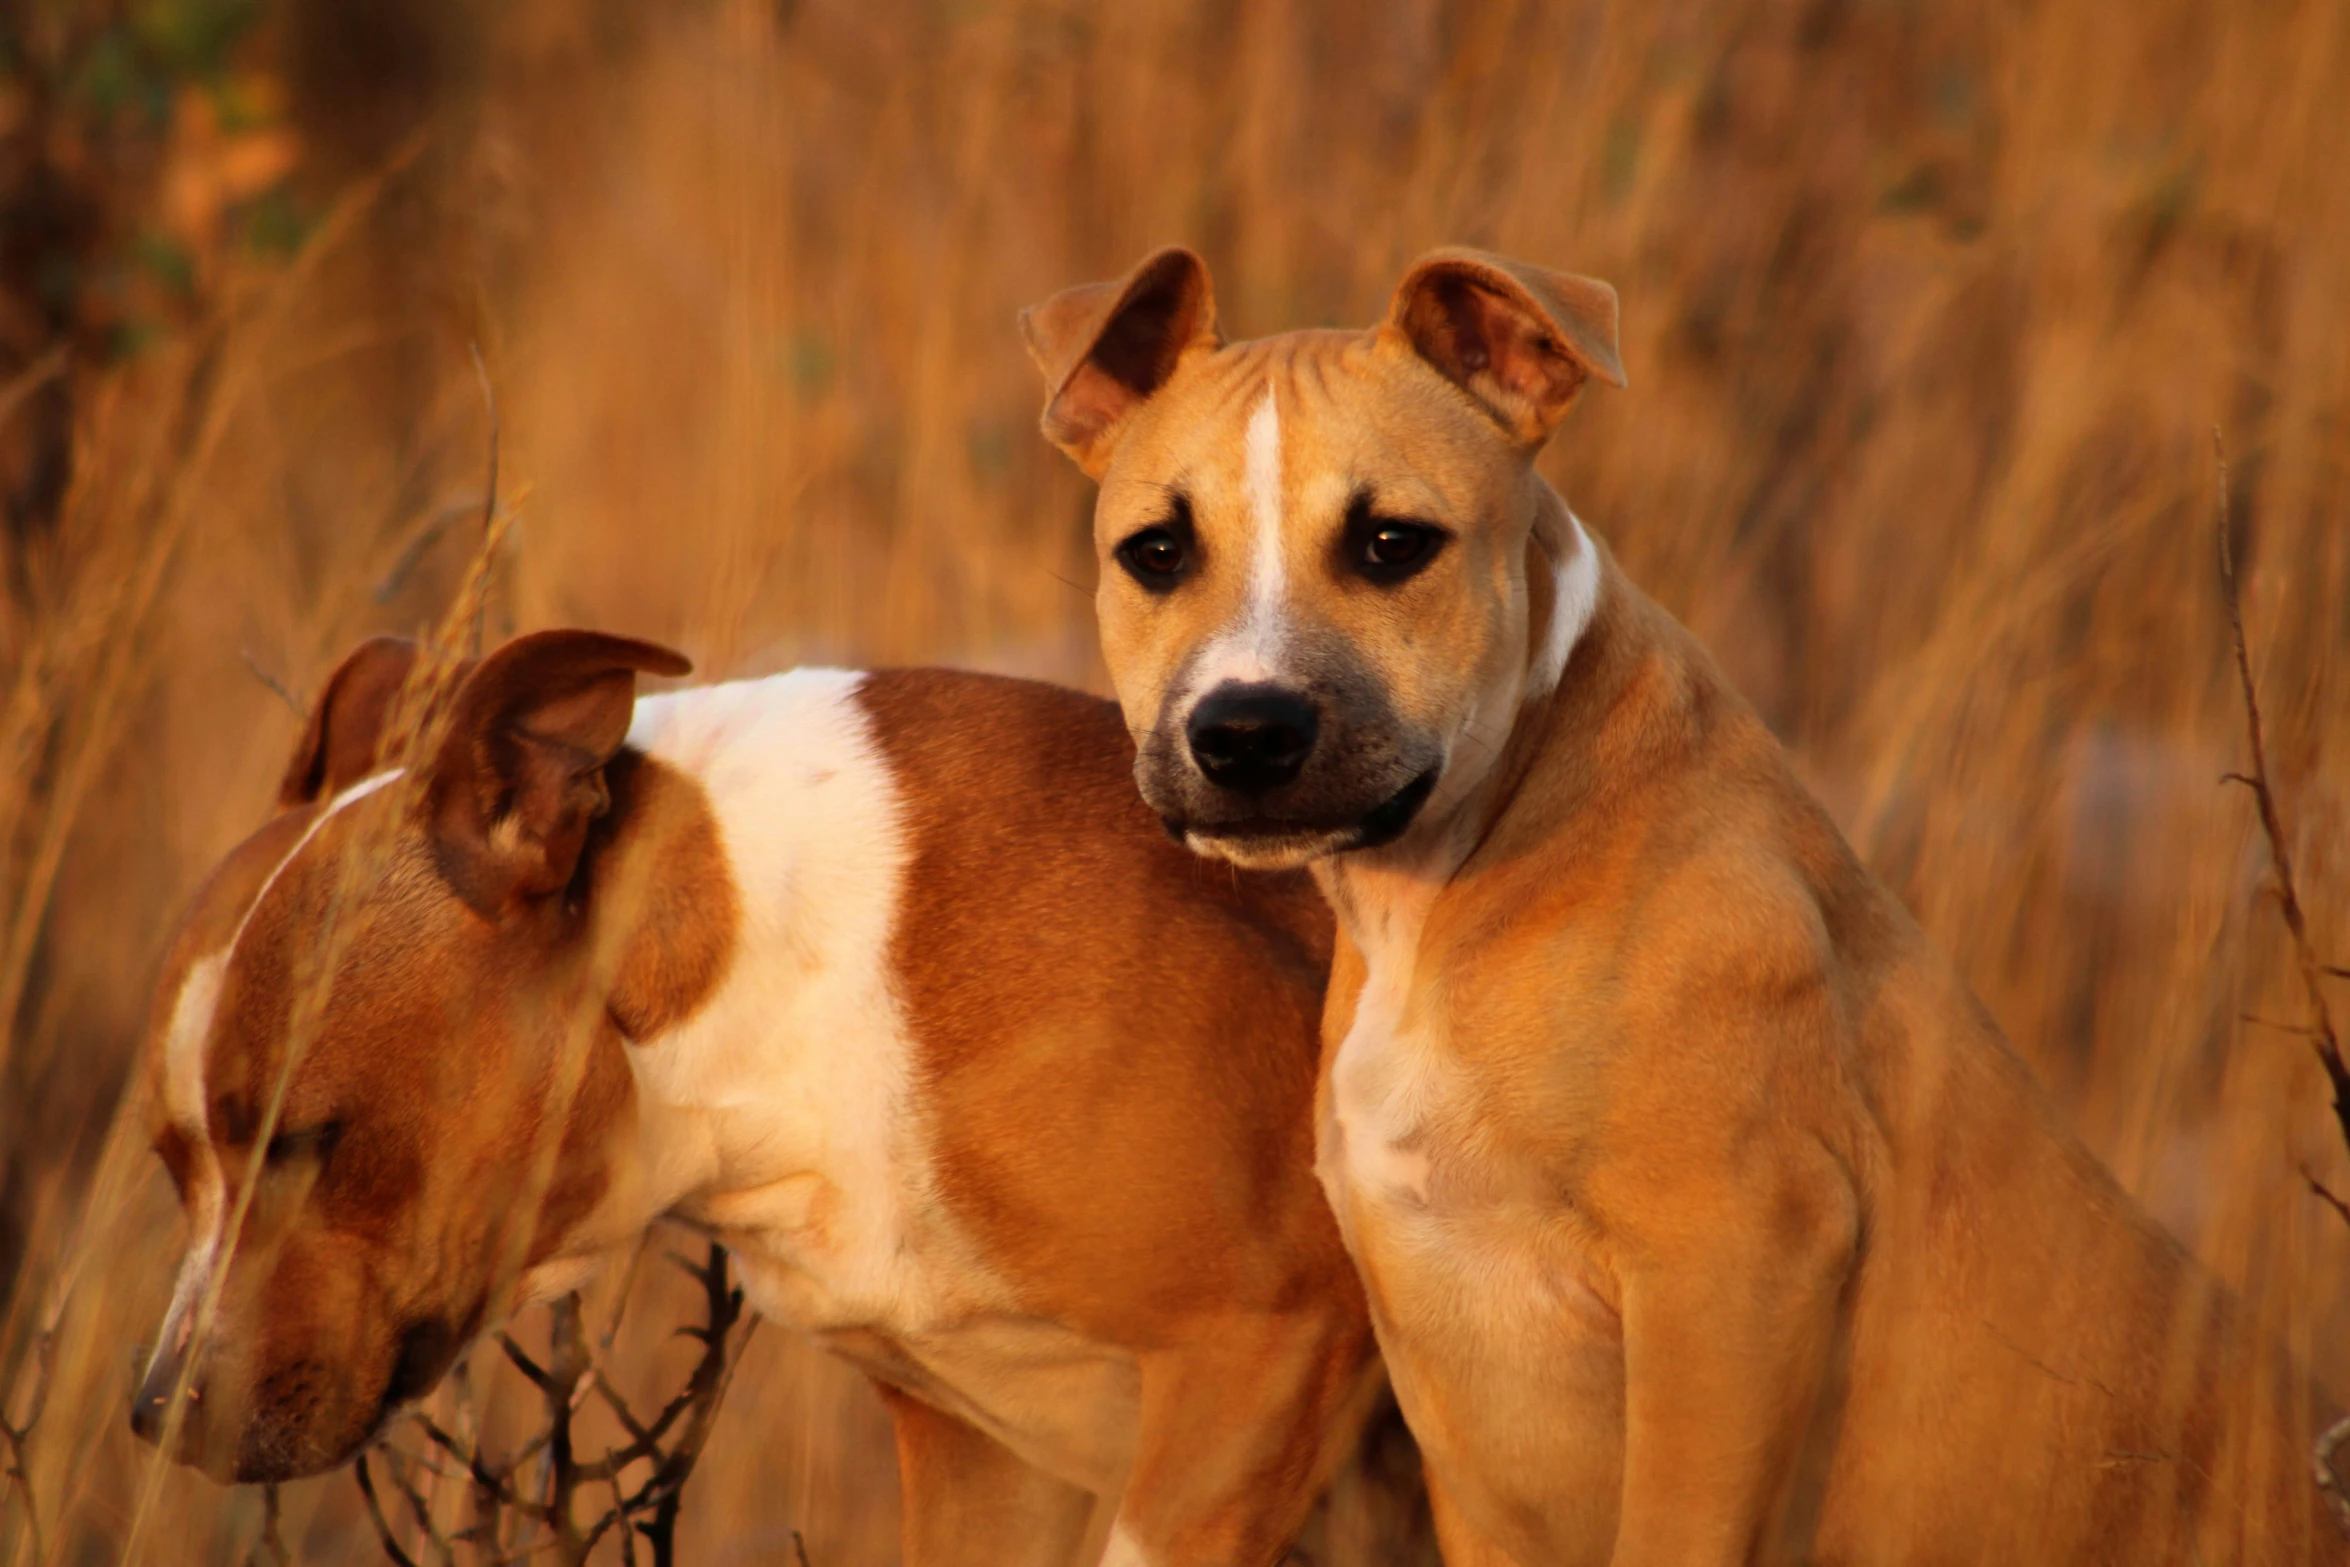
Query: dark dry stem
(19,1470)
(564,1381)
(2319,1031)
(2325,1193)
(276,686)
(489,489)
(271,1547)
(375,1515)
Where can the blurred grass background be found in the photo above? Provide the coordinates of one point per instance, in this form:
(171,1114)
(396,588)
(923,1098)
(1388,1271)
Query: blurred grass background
(1930,310)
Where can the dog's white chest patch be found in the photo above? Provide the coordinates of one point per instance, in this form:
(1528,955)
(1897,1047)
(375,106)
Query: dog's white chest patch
(1390,1077)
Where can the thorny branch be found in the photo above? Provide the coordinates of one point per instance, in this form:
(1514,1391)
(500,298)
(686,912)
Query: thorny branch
(2320,1029)
(548,1507)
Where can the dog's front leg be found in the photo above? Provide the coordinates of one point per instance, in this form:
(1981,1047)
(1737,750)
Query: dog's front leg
(968,1501)
(1242,1421)
(1731,1299)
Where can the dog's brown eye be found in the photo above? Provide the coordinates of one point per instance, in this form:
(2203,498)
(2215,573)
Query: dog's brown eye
(1396,544)
(314,1142)
(1157,556)
(1388,549)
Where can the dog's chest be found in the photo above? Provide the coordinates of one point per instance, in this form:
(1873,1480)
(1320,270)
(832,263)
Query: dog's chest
(1424,1151)
(1389,1141)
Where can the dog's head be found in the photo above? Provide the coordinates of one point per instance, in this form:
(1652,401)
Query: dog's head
(406,963)
(1328,577)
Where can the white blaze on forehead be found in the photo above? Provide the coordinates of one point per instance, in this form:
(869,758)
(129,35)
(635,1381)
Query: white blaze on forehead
(184,1042)
(1123,1550)
(1574,599)
(1263,449)
(1249,649)
(187,1041)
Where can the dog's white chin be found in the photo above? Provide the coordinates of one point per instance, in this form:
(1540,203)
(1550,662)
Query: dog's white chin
(1269,851)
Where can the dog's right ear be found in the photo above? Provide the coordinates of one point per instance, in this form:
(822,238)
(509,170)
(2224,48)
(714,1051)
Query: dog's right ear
(1106,347)
(340,741)
(1521,340)
(520,775)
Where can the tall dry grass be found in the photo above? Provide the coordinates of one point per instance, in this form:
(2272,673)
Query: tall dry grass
(1930,310)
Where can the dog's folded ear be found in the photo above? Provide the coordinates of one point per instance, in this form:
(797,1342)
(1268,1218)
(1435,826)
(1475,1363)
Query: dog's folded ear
(341,741)
(1106,347)
(1519,339)
(520,775)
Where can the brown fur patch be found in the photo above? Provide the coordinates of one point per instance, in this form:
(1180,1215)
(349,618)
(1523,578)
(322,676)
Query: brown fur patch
(1117,1038)
(683,909)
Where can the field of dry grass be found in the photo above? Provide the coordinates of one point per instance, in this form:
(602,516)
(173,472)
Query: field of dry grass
(1930,311)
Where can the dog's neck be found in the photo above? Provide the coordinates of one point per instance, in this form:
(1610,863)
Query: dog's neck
(1584,628)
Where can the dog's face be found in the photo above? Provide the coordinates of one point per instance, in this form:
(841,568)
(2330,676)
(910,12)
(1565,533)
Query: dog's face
(1324,578)
(447,1115)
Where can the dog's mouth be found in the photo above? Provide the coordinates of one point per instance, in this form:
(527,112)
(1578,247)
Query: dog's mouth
(1270,843)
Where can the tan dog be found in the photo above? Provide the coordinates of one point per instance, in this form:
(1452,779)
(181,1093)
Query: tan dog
(886,980)
(1706,1217)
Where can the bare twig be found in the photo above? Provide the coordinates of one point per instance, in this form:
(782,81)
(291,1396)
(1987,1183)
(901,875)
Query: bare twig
(276,685)
(2320,1029)
(271,1547)
(375,1515)
(665,1491)
(489,488)
(671,1442)
(2325,1193)
(17,1435)
(425,535)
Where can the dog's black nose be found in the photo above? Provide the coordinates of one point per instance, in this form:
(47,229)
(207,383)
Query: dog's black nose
(147,1413)
(1252,739)
(154,1395)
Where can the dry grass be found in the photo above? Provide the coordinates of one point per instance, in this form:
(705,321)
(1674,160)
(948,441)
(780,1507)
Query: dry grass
(1930,311)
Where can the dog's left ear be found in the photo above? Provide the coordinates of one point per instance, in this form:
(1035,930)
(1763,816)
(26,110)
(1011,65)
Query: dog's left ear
(520,775)
(1105,348)
(345,729)
(1519,339)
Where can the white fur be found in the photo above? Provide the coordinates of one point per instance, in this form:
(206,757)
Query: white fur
(785,1114)
(184,1043)
(1263,467)
(1122,1550)
(187,1039)
(1386,1078)
(1574,599)
(1249,650)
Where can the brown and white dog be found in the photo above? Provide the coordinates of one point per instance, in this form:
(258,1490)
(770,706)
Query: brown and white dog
(1706,1217)
(886,980)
